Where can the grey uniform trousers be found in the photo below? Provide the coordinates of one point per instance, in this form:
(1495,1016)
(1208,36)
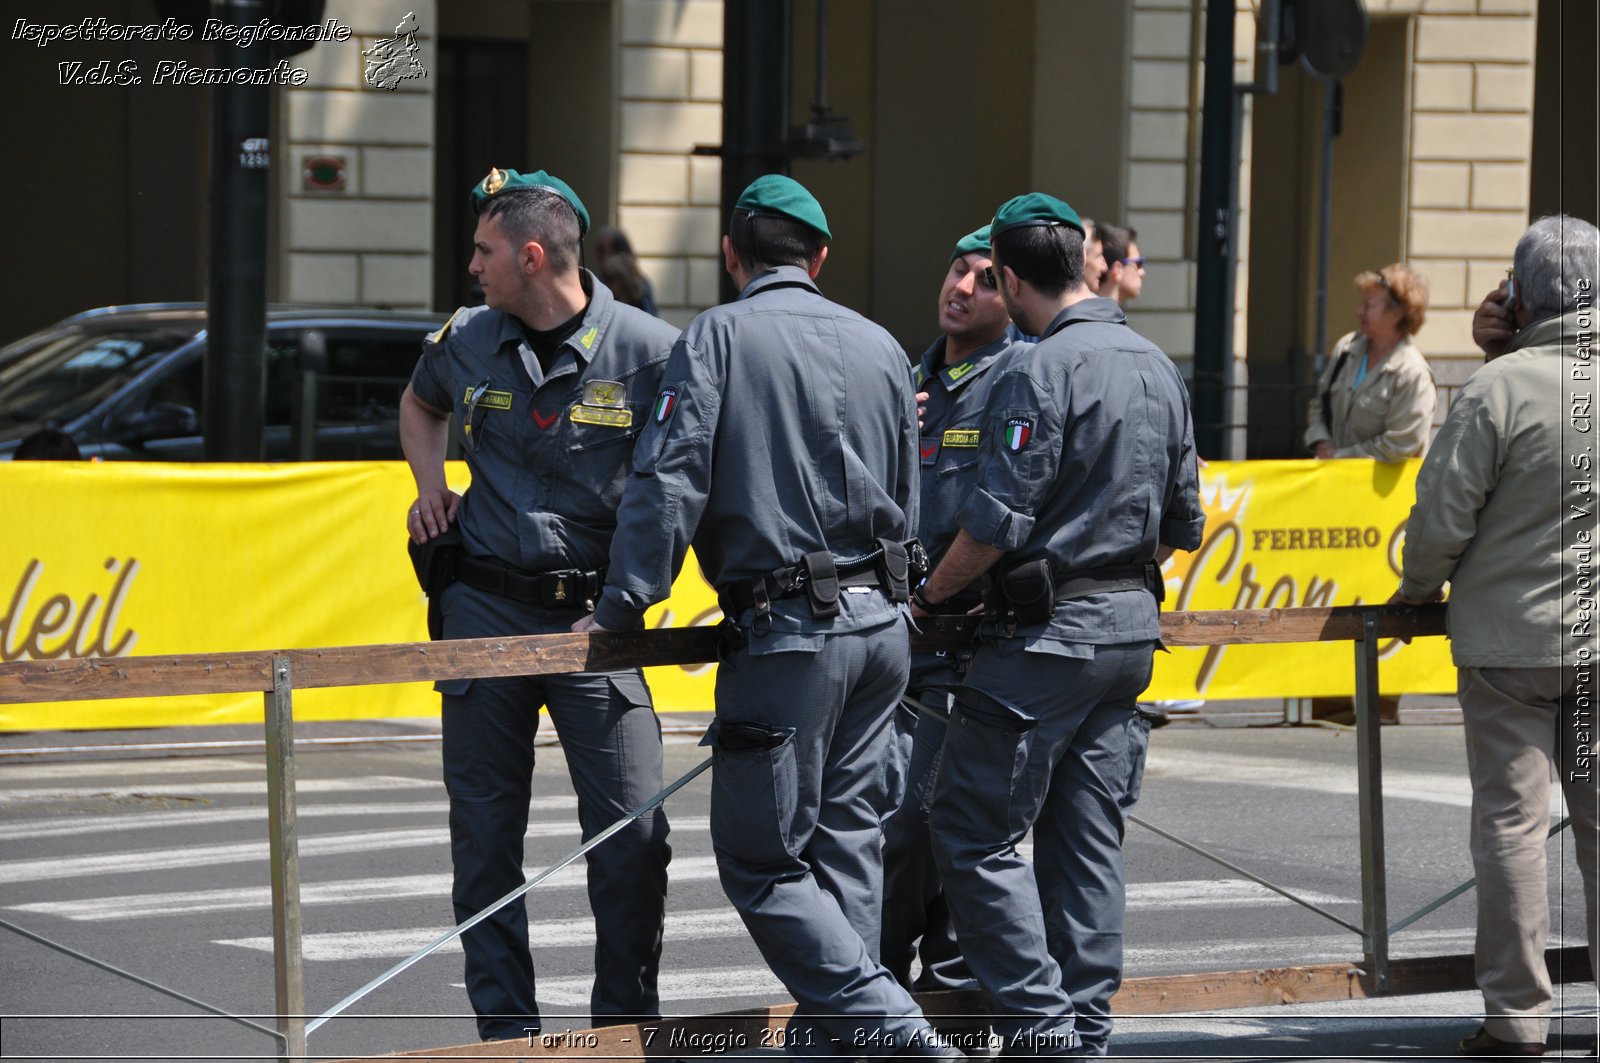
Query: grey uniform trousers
(916,919)
(801,782)
(612,744)
(1051,743)
(1520,724)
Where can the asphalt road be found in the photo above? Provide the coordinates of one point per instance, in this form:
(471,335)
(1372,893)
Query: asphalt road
(157,863)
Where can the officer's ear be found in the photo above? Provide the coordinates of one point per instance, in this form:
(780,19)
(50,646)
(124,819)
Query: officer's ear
(730,259)
(814,267)
(532,257)
(1010,283)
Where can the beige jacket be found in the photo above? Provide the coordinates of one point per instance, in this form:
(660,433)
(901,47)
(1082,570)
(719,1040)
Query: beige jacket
(1493,506)
(1387,417)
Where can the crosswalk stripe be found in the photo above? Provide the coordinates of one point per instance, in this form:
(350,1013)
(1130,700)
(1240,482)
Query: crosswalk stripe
(710,983)
(705,923)
(547,934)
(1453,789)
(59,867)
(101,769)
(217,789)
(205,816)
(347,891)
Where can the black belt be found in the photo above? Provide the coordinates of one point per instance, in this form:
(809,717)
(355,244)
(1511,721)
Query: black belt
(1070,585)
(779,584)
(570,589)
(820,577)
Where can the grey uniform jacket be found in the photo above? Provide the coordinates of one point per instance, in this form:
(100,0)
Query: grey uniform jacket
(1490,515)
(1089,461)
(552,452)
(785,424)
(952,434)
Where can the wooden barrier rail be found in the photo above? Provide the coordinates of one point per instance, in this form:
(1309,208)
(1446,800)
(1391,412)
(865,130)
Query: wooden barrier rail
(93,678)
(276,674)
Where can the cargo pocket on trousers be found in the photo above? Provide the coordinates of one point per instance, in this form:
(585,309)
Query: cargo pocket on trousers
(1138,749)
(754,790)
(980,793)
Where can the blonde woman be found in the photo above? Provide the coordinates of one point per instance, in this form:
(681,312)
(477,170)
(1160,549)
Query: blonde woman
(1376,397)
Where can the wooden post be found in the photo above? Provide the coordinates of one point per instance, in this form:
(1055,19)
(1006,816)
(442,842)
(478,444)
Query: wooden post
(283,842)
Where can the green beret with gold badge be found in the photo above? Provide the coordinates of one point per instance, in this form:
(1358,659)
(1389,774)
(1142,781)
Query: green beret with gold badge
(974,243)
(499,181)
(774,193)
(1034,208)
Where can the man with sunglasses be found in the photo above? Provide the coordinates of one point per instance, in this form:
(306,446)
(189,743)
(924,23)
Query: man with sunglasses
(552,381)
(783,445)
(952,384)
(1123,280)
(1087,479)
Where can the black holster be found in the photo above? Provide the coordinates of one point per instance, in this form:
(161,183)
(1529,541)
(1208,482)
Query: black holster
(435,565)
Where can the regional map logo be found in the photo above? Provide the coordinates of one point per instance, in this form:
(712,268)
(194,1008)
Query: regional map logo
(392,60)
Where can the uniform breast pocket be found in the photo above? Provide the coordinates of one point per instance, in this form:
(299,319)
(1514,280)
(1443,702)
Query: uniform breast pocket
(599,455)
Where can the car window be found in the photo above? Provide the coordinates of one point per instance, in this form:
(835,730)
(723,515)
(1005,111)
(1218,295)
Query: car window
(70,375)
(365,376)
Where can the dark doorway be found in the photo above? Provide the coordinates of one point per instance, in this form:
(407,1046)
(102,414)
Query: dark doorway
(1369,160)
(481,121)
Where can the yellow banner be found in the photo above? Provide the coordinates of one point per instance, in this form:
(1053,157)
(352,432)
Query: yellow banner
(1289,534)
(121,559)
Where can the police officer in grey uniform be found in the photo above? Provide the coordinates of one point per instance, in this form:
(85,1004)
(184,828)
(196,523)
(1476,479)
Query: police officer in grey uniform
(1087,481)
(952,380)
(783,445)
(552,381)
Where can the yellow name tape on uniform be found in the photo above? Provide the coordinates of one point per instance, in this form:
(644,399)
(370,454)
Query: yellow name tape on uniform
(605,415)
(962,437)
(492,400)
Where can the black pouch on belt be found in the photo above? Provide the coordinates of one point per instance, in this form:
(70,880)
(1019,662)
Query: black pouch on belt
(822,584)
(894,569)
(1030,592)
(435,565)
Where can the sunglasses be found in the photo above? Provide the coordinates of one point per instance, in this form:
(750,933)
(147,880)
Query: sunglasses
(470,430)
(1136,263)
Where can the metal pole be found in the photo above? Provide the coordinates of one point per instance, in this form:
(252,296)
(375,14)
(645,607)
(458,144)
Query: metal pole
(1219,163)
(236,302)
(1330,122)
(1369,787)
(284,846)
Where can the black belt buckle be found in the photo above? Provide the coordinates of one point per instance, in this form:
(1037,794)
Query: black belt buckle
(822,584)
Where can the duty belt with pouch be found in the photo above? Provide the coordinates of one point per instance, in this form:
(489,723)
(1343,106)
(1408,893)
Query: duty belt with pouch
(1028,593)
(893,568)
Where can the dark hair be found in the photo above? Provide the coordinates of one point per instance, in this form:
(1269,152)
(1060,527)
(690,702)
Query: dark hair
(762,241)
(47,444)
(541,214)
(615,264)
(1114,241)
(1048,257)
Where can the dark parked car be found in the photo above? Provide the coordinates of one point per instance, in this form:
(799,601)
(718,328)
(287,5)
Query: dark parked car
(126,382)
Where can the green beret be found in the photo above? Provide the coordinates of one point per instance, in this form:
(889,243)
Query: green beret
(774,193)
(510,180)
(975,242)
(1034,208)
